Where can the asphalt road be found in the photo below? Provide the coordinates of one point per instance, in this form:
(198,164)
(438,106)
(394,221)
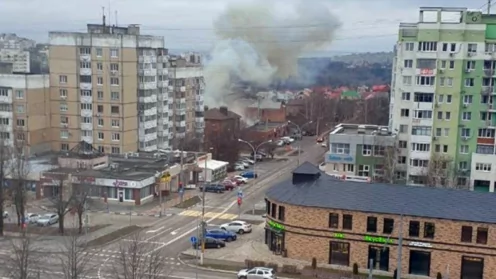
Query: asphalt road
(168,237)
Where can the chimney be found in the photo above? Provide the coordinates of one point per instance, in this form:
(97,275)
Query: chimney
(223,110)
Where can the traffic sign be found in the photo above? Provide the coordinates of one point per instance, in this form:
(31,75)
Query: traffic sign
(193,239)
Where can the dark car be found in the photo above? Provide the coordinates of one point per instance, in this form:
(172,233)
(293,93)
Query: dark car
(249,174)
(210,243)
(221,234)
(213,188)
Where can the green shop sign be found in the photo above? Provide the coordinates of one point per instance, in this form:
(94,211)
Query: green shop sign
(275,226)
(367,238)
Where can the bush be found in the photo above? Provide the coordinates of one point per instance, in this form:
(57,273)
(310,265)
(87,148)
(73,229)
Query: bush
(314,263)
(290,269)
(439,275)
(355,269)
(273,266)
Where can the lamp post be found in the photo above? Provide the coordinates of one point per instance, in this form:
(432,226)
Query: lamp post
(254,149)
(299,142)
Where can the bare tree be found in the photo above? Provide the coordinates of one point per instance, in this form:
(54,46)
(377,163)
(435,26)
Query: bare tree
(5,153)
(19,169)
(22,262)
(63,199)
(442,172)
(390,164)
(139,260)
(79,199)
(270,148)
(75,258)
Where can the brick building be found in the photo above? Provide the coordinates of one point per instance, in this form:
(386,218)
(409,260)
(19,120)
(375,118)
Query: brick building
(445,231)
(222,128)
(266,110)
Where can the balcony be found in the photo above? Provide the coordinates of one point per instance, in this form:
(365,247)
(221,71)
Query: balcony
(163,84)
(149,124)
(85,85)
(422,121)
(199,98)
(149,148)
(181,123)
(486,90)
(88,139)
(180,134)
(85,71)
(199,108)
(423,105)
(491,108)
(148,72)
(199,120)
(86,126)
(163,71)
(147,59)
(170,88)
(150,112)
(6,114)
(85,57)
(86,99)
(182,101)
(86,113)
(182,89)
(147,85)
(180,111)
(149,99)
(8,98)
(488,72)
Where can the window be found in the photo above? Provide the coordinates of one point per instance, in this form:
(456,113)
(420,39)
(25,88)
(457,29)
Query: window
(482,234)
(64,134)
(490,48)
(85,106)
(350,168)
(470,65)
(100,95)
(114,52)
(421,130)
(363,170)
(485,116)
(427,46)
(20,109)
(466,234)
(409,46)
(281,213)
(429,230)
(421,147)
(446,132)
(405,113)
(115,150)
(440,98)
(443,64)
(486,133)
(114,81)
(447,115)
(19,94)
(472,48)
(408,63)
(20,122)
(379,150)
(99,108)
(420,263)
(367,150)
(419,163)
(469,82)
(339,253)
(64,147)
(425,80)
(115,110)
(63,93)
(464,149)
(402,160)
(388,226)
(100,122)
(422,114)
(64,120)
(86,120)
(114,67)
(99,80)
(423,97)
(101,136)
(407,80)
(62,79)
(99,52)
(340,148)
(451,64)
(116,136)
(483,167)
(463,165)
(86,93)
(379,256)
(466,115)
(347,222)
(402,144)
(63,107)
(85,65)
(472,268)
(85,50)
(437,148)
(405,96)
(467,99)
(85,79)
(465,132)
(371,224)
(99,66)
(449,98)
(484,149)
(403,128)
(333,220)
(115,123)
(114,96)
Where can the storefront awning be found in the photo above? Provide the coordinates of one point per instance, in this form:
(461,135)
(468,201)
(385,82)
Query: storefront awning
(213,164)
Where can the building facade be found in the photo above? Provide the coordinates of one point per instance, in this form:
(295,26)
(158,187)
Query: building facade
(222,131)
(19,58)
(345,223)
(442,94)
(25,112)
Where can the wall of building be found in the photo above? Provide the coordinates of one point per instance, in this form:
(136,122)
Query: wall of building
(18,57)
(271,115)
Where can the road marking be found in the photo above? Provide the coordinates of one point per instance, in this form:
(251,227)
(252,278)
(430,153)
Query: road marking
(154,231)
(196,213)
(174,232)
(143,241)
(160,233)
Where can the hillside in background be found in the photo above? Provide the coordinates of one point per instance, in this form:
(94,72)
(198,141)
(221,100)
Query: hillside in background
(366,58)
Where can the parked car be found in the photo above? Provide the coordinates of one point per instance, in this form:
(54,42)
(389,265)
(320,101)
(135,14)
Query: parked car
(221,234)
(287,140)
(47,220)
(257,273)
(213,188)
(239,167)
(249,174)
(246,164)
(210,243)
(5,214)
(233,180)
(280,143)
(239,227)
(323,145)
(319,139)
(32,218)
(248,160)
(229,185)
(241,179)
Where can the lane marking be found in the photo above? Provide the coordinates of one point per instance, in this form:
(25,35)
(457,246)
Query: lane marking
(154,231)
(158,234)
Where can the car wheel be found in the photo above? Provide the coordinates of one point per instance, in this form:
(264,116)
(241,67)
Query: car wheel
(224,229)
(219,246)
(242,277)
(241,231)
(229,239)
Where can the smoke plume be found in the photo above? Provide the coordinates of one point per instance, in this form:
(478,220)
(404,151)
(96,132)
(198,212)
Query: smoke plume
(259,43)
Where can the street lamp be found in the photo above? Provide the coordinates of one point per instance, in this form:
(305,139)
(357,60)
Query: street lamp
(255,150)
(301,134)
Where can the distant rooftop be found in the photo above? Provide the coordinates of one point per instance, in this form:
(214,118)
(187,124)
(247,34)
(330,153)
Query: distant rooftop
(263,126)
(360,129)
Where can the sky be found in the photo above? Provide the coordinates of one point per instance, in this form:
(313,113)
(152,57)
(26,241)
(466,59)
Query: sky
(367,26)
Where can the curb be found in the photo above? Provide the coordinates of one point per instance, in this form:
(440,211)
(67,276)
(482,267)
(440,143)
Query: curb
(132,214)
(205,268)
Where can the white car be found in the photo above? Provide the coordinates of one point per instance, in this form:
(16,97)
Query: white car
(246,164)
(5,214)
(240,178)
(47,220)
(287,139)
(240,227)
(280,143)
(248,160)
(257,273)
(239,167)
(323,144)
(32,217)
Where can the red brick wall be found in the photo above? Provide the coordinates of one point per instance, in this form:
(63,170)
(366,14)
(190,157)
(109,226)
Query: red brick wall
(271,115)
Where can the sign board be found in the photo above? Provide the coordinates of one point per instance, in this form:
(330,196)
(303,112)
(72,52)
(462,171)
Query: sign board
(193,239)
(119,183)
(83,180)
(426,72)
(420,244)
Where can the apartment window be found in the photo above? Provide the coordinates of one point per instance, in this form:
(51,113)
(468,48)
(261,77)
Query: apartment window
(114,52)
(63,93)
(439,132)
(470,65)
(405,96)
(20,136)
(437,148)
(388,226)
(347,222)
(467,99)
(466,234)
(99,80)
(62,79)
(85,93)
(371,224)
(422,114)
(99,52)
(20,122)
(99,109)
(469,82)
(85,65)
(114,109)
(483,167)
(485,116)
(403,128)
(422,147)
(466,115)
(482,234)
(402,144)
(443,64)
(86,106)
(114,67)
(425,80)
(19,94)
(472,48)
(429,230)
(63,107)
(451,65)
(414,229)
(367,150)
(463,165)
(64,147)
(85,79)
(465,132)
(401,160)
(116,136)
(20,109)
(64,120)
(363,170)
(87,120)
(100,122)
(379,150)
(114,96)
(423,97)
(409,46)
(464,149)
(408,63)
(114,81)
(421,130)
(340,148)
(447,115)
(407,80)
(101,136)
(427,46)
(405,113)
(85,50)
(486,133)
(281,213)
(64,134)
(420,163)
(446,132)
(100,95)
(115,150)
(333,220)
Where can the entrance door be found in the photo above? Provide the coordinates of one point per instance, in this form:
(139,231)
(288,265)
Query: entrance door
(121,195)
(420,263)
(472,268)
(380,257)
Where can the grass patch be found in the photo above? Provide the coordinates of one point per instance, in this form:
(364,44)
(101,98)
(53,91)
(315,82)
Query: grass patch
(52,230)
(104,239)
(189,202)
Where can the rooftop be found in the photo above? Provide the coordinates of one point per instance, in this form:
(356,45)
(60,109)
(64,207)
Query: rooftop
(264,126)
(218,114)
(309,187)
(360,129)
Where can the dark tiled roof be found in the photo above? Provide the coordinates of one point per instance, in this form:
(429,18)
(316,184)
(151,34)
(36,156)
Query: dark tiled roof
(306,168)
(216,114)
(327,192)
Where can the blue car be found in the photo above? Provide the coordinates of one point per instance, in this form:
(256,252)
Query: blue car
(221,234)
(249,174)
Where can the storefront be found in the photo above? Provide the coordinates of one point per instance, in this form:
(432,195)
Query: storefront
(472,268)
(274,237)
(419,263)
(379,257)
(339,253)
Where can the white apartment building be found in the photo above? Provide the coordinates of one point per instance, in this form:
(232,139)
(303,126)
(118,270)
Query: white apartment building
(19,58)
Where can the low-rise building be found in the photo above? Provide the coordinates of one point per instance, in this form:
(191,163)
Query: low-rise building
(19,58)
(222,131)
(483,170)
(264,131)
(446,231)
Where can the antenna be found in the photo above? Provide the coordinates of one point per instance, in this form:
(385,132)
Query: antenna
(110,12)
(103,16)
(116,23)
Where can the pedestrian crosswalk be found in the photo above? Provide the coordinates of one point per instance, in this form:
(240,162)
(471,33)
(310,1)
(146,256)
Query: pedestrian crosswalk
(216,215)
(112,255)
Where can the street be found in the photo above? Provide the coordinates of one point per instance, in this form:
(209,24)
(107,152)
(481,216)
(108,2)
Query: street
(169,236)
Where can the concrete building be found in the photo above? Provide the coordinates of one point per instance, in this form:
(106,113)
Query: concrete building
(19,58)
(363,153)
(25,111)
(442,94)
(222,131)
(110,87)
(451,232)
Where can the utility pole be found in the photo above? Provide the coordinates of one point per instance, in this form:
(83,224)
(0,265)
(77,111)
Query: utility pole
(489,6)
(400,246)
(203,225)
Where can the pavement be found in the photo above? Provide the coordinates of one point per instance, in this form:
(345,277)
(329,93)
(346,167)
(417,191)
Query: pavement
(170,235)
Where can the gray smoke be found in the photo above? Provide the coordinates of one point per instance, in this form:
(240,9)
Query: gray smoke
(259,43)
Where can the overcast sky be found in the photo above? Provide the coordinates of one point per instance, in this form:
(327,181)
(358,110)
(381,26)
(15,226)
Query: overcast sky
(368,25)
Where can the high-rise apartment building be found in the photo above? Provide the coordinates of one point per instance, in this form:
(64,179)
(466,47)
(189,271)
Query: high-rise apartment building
(110,87)
(443,89)
(19,58)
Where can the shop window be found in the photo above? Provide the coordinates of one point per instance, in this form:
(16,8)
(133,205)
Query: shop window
(380,258)
(128,194)
(282,212)
(273,210)
(333,220)
(420,263)
(429,230)
(339,253)
(388,226)
(482,235)
(267,205)
(472,268)
(466,234)
(347,222)
(414,229)
(371,224)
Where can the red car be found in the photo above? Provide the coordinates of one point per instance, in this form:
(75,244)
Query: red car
(229,185)
(237,182)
